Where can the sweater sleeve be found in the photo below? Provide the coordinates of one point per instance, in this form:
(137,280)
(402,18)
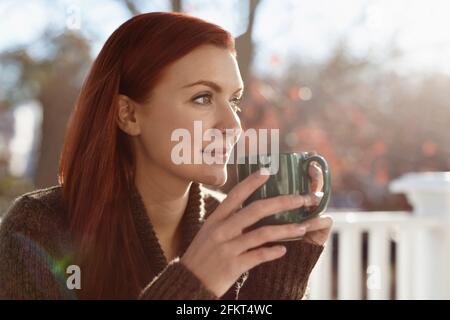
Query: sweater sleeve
(285,278)
(176,282)
(29,269)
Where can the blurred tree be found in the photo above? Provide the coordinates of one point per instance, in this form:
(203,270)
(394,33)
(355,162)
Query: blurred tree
(371,124)
(245,46)
(177,5)
(54,81)
(132,7)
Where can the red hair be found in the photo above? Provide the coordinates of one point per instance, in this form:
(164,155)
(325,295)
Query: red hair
(97,162)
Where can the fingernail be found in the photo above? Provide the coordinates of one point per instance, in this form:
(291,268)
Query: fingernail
(318,198)
(301,229)
(264,172)
(318,194)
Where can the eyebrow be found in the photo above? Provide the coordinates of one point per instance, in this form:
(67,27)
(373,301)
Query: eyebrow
(210,84)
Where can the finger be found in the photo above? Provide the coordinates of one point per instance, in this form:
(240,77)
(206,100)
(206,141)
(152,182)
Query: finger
(319,223)
(257,237)
(239,193)
(255,257)
(316,174)
(259,209)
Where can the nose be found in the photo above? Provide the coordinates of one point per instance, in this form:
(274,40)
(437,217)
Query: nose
(229,121)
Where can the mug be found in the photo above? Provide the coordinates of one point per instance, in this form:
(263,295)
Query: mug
(288,175)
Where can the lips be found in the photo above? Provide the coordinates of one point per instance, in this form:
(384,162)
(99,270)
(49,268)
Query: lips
(223,152)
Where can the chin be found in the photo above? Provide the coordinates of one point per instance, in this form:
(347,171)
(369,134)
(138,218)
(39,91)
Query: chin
(213,175)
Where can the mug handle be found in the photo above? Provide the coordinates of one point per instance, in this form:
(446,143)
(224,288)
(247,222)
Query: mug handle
(326,181)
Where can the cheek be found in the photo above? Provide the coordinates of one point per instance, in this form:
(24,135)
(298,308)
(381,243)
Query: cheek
(155,140)
(156,131)
(157,127)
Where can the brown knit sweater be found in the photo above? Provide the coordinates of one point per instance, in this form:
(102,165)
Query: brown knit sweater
(34,241)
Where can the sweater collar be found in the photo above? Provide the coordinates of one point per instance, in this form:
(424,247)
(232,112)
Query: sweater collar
(190,224)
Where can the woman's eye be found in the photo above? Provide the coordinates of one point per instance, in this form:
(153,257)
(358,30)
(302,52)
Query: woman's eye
(206,99)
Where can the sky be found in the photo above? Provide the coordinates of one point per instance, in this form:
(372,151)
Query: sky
(307,30)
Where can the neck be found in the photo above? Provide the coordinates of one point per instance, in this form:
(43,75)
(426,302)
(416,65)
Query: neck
(165,198)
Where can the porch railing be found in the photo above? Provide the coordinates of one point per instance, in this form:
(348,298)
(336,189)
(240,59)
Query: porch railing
(390,255)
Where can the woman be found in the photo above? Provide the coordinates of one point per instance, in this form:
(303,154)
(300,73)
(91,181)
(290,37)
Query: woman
(125,221)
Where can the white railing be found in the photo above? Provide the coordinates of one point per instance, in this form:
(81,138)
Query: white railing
(420,267)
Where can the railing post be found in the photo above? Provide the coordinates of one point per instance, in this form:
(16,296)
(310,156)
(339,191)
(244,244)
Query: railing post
(379,269)
(349,264)
(403,268)
(321,276)
(429,194)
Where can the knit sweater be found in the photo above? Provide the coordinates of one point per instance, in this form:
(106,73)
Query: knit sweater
(34,240)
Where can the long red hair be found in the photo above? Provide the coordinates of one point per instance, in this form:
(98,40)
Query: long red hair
(97,162)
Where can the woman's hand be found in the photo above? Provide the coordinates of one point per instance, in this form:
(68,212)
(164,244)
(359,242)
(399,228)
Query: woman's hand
(221,252)
(318,228)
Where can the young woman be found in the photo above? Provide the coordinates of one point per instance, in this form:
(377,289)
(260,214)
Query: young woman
(125,221)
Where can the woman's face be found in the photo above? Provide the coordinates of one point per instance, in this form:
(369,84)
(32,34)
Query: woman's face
(176,102)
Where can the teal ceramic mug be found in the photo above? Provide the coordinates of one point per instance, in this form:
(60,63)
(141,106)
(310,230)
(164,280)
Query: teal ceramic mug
(288,175)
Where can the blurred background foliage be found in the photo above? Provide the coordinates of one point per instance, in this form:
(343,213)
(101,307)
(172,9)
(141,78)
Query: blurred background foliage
(373,115)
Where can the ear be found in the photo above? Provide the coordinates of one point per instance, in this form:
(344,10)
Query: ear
(126,116)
